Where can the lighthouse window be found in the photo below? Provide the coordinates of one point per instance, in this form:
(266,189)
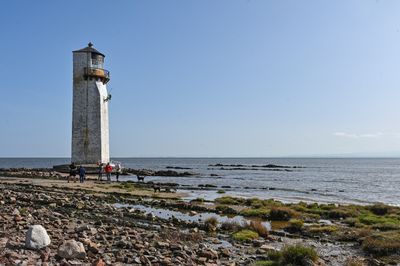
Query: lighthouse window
(97,61)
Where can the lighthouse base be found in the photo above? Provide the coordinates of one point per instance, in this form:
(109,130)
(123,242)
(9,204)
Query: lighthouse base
(64,168)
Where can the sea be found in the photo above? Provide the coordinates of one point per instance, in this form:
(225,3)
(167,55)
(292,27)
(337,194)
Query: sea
(323,180)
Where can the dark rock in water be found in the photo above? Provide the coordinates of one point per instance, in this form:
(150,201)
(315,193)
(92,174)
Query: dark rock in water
(207,186)
(274,167)
(172,173)
(178,168)
(147,172)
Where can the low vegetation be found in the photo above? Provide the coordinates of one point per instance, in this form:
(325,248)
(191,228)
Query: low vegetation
(211,224)
(261,213)
(298,255)
(282,214)
(128,186)
(245,235)
(382,244)
(259,227)
(376,226)
(295,225)
(231,226)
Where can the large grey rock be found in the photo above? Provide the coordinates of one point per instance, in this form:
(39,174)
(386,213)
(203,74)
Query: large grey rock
(37,237)
(72,249)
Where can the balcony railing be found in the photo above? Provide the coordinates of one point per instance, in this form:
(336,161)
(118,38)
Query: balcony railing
(100,73)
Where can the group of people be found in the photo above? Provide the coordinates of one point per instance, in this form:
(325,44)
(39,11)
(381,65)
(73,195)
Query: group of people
(74,170)
(81,171)
(108,169)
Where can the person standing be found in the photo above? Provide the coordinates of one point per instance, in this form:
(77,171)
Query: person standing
(118,171)
(108,170)
(72,172)
(82,174)
(100,171)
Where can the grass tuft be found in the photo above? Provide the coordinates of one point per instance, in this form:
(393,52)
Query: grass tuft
(282,214)
(298,255)
(259,227)
(245,235)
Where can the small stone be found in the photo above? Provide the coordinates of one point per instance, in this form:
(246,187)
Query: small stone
(162,244)
(266,247)
(82,228)
(72,249)
(16,212)
(194,230)
(98,262)
(45,255)
(37,237)
(209,254)
(3,242)
(225,252)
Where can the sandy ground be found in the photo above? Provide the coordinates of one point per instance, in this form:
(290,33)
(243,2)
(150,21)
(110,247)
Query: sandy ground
(90,184)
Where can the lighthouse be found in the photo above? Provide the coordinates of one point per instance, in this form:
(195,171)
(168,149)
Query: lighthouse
(90,132)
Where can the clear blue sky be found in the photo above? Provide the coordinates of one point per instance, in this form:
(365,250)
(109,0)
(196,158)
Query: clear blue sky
(207,78)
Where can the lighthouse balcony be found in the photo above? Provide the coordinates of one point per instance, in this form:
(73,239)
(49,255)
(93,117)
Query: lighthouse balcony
(97,73)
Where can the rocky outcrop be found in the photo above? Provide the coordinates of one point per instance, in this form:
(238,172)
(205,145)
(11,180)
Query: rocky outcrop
(148,172)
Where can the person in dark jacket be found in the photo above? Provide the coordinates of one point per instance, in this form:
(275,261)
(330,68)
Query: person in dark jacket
(72,172)
(100,171)
(82,174)
(118,171)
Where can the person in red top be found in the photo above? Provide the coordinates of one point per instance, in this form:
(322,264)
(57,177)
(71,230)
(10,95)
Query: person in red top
(108,170)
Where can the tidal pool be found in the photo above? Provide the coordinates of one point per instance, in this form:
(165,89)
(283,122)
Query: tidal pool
(199,217)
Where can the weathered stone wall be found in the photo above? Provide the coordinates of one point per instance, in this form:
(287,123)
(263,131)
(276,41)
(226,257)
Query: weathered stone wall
(90,141)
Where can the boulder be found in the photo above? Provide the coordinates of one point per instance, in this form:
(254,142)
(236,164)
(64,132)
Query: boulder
(72,249)
(37,237)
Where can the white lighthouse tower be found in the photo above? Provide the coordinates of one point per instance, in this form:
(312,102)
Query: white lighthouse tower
(90,135)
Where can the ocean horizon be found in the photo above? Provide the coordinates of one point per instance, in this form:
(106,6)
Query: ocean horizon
(325,180)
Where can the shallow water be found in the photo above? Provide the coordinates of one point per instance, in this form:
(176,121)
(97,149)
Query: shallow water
(360,181)
(200,217)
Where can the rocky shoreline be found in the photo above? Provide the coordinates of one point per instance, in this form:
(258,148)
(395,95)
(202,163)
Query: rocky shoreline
(123,224)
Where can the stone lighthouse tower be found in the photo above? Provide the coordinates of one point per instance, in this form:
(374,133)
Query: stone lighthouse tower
(90,140)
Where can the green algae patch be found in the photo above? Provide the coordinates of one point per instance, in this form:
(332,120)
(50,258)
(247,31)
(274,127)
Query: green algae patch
(228,200)
(245,235)
(321,229)
(262,213)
